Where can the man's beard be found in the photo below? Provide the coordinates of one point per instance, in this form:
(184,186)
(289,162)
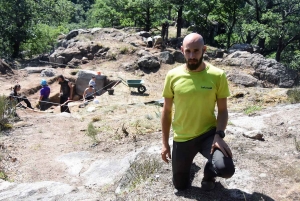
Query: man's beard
(196,65)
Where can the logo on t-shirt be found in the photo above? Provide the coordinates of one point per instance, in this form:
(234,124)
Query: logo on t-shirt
(204,87)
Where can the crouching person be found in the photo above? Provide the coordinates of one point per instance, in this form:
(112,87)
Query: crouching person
(15,95)
(195,88)
(89,93)
(44,95)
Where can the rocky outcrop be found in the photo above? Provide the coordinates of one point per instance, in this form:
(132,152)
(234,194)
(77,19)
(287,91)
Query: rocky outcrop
(271,72)
(5,68)
(75,50)
(34,69)
(49,72)
(178,56)
(149,62)
(144,34)
(243,79)
(166,57)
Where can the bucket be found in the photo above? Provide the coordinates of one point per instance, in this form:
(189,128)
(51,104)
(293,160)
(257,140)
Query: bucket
(110,91)
(98,73)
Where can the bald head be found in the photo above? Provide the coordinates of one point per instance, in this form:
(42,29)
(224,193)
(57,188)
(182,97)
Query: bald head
(193,38)
(193,49)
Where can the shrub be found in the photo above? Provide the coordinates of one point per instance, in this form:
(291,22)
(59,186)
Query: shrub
(7,112)
(294,96)
(92,132)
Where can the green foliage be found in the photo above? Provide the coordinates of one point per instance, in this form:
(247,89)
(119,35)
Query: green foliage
(144,13)
(20,21)
(291,58)
(44,39)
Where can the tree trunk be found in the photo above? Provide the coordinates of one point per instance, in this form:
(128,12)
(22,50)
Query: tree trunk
(179,21)
(169,14)
(16,47)
(261,43)
(228,38)
(148,20)
(279,49)
(248,38)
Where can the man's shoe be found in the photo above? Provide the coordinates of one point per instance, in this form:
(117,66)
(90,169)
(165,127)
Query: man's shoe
(208,185)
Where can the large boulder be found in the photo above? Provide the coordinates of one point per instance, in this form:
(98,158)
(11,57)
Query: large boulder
(149,62)
(5,68)
(72,34)
(243,79)
(143,34)
(178,56)
(130,66)
(48,72)
(83,78)
(142,53)
(266,70)
(166,57)
(31,70)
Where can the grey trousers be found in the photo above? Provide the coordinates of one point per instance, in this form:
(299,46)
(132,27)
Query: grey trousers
(183,154)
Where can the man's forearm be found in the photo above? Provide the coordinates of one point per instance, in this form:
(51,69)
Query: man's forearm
(222,120)
(166,125)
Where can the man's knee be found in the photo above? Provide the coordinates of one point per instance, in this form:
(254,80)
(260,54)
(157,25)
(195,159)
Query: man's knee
(227,171)
(181,181)
(224,165)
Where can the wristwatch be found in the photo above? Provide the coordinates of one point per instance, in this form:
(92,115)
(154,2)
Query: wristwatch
(221,133)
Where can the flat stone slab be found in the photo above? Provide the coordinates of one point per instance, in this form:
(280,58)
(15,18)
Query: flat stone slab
(34,69)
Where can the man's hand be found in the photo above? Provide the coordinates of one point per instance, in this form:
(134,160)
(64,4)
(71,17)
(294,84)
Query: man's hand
(219,143)
(70,98)
(165,153)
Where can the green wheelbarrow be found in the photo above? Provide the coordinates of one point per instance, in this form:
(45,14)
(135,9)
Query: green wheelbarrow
(135,84)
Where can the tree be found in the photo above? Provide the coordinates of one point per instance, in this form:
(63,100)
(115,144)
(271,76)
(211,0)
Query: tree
(19,17)
(106,13)
(228,12)
(284,25)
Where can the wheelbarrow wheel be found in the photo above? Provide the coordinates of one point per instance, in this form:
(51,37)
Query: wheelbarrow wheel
(141,89)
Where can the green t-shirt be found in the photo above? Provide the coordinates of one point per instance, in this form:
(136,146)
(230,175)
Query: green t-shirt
(194,95)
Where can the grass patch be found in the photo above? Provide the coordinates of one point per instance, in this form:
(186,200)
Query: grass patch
(124,50)
(294,96)
(140,171)
(3,175)
(252,109)
(92,132)
(297,144)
